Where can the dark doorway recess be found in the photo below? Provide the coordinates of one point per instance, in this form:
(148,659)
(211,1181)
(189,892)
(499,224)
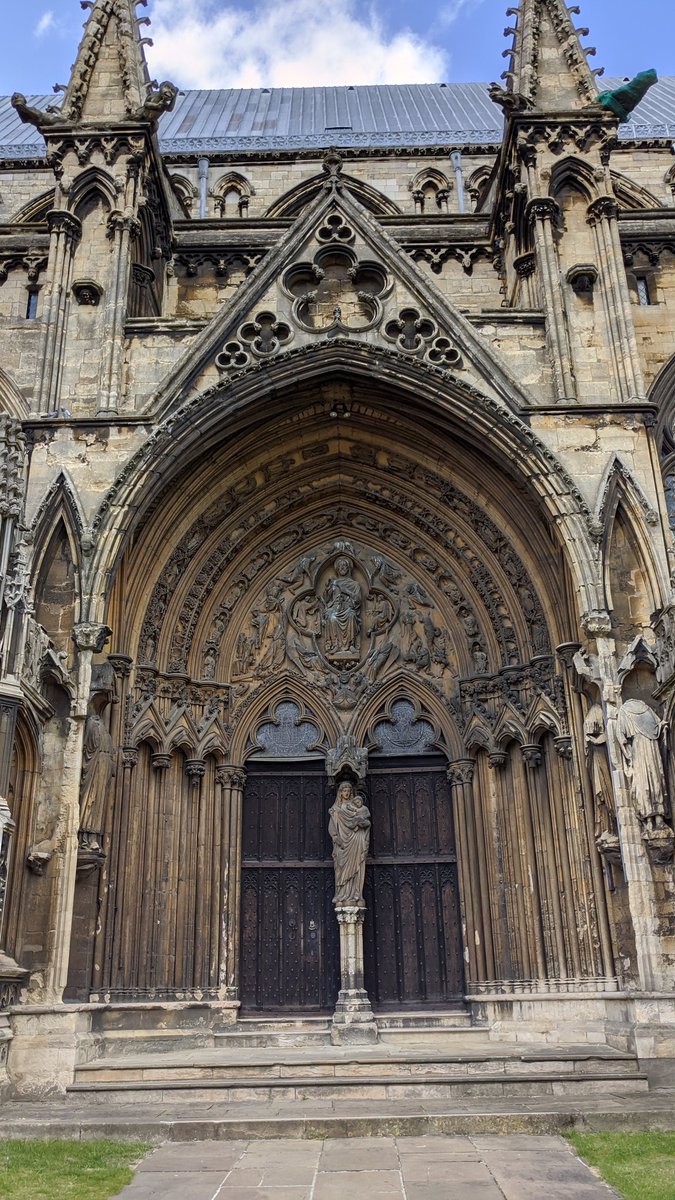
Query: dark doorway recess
(290,958)
(413,940)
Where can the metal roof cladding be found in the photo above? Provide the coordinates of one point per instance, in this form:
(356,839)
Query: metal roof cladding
(386,115)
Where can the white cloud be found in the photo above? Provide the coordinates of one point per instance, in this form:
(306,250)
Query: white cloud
(45,23)
(287,43)
(452,9)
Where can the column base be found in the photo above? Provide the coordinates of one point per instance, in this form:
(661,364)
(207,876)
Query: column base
(353,1020)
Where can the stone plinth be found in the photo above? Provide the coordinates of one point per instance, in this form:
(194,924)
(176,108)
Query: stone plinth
(353,1019)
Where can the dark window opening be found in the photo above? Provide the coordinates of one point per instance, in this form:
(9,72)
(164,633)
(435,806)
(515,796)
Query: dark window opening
(31,306)
(642,285)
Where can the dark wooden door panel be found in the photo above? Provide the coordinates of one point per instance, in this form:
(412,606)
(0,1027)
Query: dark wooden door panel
(289,935)
(413,945)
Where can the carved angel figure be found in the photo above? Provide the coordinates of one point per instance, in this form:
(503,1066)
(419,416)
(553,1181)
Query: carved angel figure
(349,828)
(639,731)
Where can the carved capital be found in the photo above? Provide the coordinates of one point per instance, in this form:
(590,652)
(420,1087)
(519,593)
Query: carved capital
(566,652)
(461,771)
(525,265)
(121,664)
(660,844)
(161,762)
(603,208)
(563,746)
(129,757)
(90,635)
(231,777)
(61,221)
(596,623)
(195,769)
(531,756)
(543,208)
(497,760)
(350,914)
(120,222)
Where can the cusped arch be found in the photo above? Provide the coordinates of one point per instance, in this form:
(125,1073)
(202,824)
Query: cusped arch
(285,688)
(35,212)
(91,186)
(232,183)
(631,195)
(297,198)
(620,498)
(428,704)
(12,402)
(574,174)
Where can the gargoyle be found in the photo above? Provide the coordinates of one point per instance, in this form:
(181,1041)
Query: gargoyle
(160,99)
(34,116)
(509,102)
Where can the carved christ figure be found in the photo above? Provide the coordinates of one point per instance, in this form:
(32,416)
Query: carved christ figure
(342,613)
(639,731)
(349,828)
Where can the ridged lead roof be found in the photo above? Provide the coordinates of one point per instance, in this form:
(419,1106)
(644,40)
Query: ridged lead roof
(311,118)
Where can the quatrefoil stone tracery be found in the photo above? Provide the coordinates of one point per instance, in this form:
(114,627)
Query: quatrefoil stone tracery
(259,338)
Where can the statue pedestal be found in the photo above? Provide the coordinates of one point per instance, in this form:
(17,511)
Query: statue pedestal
(353,1019)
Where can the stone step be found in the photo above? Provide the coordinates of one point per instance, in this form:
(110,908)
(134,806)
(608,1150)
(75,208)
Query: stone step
(155,1090)
(342,1063)
(414,1027)
(179,1121)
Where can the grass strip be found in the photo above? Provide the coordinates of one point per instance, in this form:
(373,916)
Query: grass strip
(64,1170)
(641,1166)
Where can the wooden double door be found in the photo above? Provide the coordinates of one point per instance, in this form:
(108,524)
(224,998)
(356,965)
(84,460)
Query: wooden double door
(289,934)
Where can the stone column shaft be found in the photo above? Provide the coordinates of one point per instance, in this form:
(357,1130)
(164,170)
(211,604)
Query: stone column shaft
(65,232)
(543,212)
(122,229)
(353,1019)
(232,781)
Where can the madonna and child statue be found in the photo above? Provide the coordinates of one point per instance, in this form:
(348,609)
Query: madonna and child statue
(349,828)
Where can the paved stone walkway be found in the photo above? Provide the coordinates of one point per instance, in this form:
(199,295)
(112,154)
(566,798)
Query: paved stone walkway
(380,1168)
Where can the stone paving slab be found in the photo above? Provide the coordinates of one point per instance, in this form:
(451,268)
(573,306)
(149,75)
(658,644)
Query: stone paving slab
(376,1168)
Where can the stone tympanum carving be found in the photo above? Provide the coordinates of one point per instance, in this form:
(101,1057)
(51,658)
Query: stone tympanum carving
(343,616)
(349,828)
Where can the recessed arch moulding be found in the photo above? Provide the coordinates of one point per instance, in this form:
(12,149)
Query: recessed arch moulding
(314,558)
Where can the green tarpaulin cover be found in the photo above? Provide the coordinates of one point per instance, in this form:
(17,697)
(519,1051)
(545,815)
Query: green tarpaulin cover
(624,99)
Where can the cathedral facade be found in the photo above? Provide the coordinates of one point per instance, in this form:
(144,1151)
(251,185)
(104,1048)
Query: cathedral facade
(337,452)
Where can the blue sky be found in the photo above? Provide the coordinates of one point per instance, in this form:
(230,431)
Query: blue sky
(213,43)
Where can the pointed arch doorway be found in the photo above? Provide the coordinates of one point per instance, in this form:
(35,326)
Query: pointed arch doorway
(289,937)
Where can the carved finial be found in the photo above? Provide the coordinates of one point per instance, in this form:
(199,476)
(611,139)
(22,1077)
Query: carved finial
(332,165)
